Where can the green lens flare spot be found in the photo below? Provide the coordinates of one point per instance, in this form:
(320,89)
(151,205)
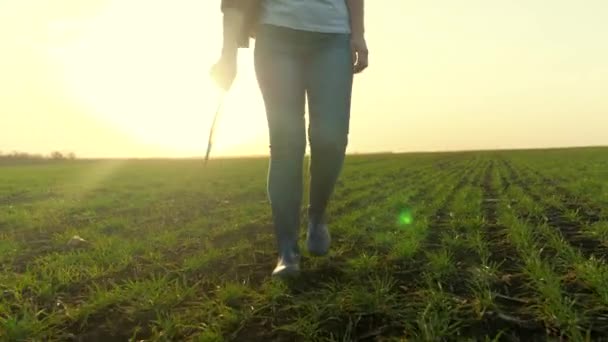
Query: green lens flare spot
(406,218)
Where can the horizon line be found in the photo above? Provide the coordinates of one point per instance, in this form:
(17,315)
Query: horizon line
(354,153)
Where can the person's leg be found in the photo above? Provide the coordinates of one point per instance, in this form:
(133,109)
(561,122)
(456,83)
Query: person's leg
(280,75)
(329,86)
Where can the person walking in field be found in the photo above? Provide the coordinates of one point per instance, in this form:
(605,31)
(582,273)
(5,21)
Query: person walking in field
(304,50)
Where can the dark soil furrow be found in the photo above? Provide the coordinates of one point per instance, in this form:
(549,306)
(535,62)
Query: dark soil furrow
(586,208)
(570,229)
(441,218)
(508,290)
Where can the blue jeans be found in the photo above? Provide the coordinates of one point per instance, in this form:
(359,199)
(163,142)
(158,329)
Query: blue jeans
(293,66)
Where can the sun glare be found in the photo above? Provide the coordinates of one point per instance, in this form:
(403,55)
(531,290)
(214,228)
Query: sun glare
(146,72)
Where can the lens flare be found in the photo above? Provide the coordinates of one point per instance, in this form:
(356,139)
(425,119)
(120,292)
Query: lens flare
(405,217)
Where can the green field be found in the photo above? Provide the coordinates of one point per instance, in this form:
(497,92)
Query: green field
(503,246)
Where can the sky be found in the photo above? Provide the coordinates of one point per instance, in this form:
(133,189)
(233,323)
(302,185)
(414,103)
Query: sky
(129,78)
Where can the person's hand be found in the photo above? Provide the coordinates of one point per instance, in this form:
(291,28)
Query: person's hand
(224,71)
(358,47)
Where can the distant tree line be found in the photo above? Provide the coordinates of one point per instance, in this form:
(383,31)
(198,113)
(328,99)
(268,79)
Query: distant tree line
(24,156)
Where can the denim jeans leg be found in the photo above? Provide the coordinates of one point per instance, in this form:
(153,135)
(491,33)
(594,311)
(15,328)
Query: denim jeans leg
(278,64)
(329,87)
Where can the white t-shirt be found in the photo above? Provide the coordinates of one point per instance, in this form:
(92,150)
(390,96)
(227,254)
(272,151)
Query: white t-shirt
(327,16)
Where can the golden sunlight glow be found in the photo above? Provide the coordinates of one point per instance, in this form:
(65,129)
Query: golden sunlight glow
(150,78)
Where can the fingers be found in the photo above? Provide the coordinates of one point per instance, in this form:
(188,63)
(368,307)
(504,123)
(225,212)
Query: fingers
(223,74)
(361,62)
